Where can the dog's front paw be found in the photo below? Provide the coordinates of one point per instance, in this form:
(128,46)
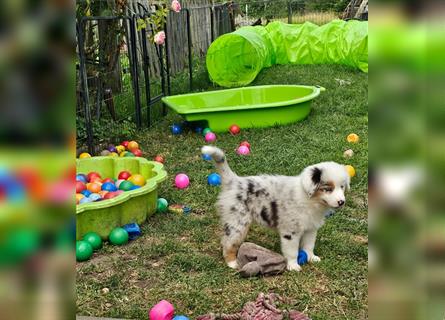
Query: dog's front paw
(314,259)
(233,264)
(293,266)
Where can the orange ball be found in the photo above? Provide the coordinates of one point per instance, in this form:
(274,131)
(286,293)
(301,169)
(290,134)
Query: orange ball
(78,197)
(96,180)
(93,187)
(103,193)
(352,138)
(137,179)
(84,155)
(132,145)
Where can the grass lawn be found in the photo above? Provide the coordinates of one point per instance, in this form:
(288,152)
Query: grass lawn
(178,258)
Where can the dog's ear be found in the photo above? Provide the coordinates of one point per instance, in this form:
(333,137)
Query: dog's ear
(310,179)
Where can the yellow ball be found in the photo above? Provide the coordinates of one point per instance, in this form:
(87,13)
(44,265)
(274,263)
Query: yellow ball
(79,196)
(113,154)
(351,170)
(122,154)
(352,138)
(84,155)
(120,149)
(137,179)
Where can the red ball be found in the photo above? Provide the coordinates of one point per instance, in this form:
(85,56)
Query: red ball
(137,152)
(234,129)
(109,195)
(80,186)
(125,143)
(159,159)
(245,143)
(124,175)
(108,180)
(93,175)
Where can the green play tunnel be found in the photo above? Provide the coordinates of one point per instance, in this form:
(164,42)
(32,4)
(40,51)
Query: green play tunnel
(236,58)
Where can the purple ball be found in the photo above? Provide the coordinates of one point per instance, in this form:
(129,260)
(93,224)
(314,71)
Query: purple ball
(112,149)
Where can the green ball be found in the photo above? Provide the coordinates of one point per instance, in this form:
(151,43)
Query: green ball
(162,205)
(205,131)
(126,185)
(84,250)
(94,239)
(129,154)
(118,236)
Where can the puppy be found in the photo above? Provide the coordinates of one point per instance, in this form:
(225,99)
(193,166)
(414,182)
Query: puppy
(295,206)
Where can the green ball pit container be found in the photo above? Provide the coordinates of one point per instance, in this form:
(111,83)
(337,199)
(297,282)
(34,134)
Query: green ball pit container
(131,206)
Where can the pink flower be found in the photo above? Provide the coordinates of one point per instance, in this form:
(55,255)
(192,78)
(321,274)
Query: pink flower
(176,6)
(159,38)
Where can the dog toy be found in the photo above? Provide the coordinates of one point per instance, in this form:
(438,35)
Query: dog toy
(161,205)
(179,209)
(118,236)
(159,159)
(93,239)
(84,250)
(210,137)
(351,170)
(348,153)
(176,129)
(214,179)
(255,260)
(234,129)
(302,257)
(352,138)
(163,310)
(182,181)
(243,150)
(133,230)
(181,318)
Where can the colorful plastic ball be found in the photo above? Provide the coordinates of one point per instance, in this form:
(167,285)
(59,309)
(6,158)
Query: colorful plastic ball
(176,129)
(96,180)
(81,177)
(198,130)
(118,182)
(137,152)
(163,310)
(182,181)
(134,187)
(85,200)
(123,153)
(112,149)
(132,145)
(350,169)
(180,317)
(206,130)
(159,159)
(93,187)
(86,193)
(137,179)
(125,144)
(84,250)
(234,129)
(214,179)
(129,154)
(118,236)
(79,197)
(243,150)
(95,197)
(107,180)
(207,157)
(352,138)
(80,186)
(161,205)
(245,143)
(105,153)
(114,154)
(120,149)
(126,185)
(93,239)
(109,195)
(124,175)
(92,175)
(302,257)
(84,155)
(103,193)
(109,186)
(210,137)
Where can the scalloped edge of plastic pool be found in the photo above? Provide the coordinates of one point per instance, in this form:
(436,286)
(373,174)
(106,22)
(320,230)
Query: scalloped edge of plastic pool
(131,206)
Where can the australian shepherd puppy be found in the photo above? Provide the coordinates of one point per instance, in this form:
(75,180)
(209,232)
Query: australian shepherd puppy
(295,206)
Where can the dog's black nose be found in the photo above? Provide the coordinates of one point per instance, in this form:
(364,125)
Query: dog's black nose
(340,203)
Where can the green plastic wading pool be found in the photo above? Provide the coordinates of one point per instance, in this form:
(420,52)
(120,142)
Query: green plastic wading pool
(131,206)
(248,107)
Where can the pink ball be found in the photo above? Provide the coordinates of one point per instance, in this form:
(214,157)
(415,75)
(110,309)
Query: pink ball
(244,150)
(182,181)
(163,310)
(210,137)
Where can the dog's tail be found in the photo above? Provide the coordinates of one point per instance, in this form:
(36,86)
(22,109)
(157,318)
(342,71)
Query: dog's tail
(220,161)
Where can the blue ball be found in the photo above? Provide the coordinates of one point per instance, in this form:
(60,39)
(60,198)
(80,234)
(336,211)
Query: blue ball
(134,187)
(198,130)
(94,197)
(302,257)
(84,200)
(207,157)
(214,179)
(86,193)
(176,129)
(82,178)
(181,318)
(109,186)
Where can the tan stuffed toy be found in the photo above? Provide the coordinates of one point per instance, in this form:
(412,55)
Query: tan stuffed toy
(254,260)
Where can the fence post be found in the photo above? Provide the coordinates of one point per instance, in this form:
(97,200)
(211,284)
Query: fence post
(289,12)
(167,59)
(145,64)
(85,95)
(137,101)
(189,43)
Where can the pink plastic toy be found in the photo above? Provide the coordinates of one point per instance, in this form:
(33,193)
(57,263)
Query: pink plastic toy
(210,137)
(164,310)
(243,150)
(182,181)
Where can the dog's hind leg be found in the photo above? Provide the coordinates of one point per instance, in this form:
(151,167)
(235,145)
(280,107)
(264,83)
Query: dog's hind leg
(234,235)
